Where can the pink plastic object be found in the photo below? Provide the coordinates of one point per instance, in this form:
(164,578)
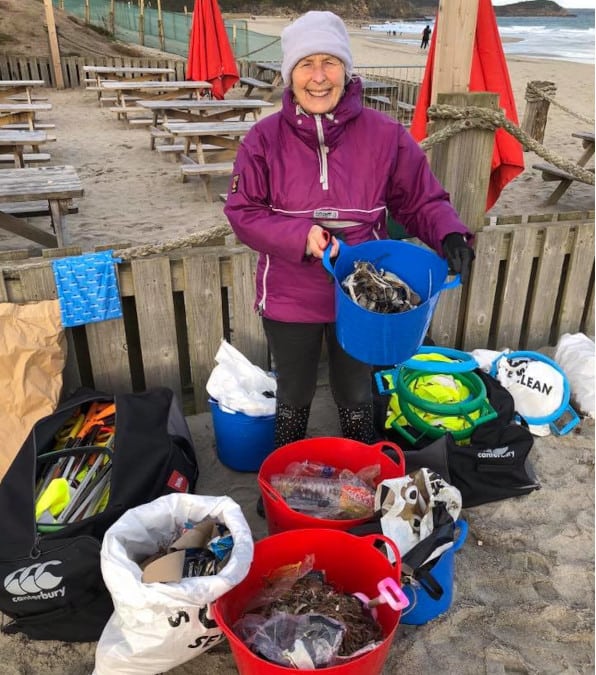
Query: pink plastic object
(389,593)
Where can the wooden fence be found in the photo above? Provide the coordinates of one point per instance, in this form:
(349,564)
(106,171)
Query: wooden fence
(40,67)
(403,82)
(534,281)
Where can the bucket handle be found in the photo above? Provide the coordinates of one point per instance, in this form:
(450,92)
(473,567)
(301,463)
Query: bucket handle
(373,539)
(462,526)
(393,451)
(462,362)
(273,494)
(456,281)
(326,260)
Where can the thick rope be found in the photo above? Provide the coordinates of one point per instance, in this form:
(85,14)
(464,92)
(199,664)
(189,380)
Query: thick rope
(202,238)
(472,117)
(536,89)
(544,95)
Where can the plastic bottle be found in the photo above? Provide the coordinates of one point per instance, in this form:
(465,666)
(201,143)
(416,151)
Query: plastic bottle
(324,497)
(311,469)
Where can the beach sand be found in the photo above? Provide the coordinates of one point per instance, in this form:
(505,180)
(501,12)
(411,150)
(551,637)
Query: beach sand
(524,589)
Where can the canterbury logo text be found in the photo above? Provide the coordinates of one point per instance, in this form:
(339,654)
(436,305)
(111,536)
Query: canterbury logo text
(35,582)
(497,453)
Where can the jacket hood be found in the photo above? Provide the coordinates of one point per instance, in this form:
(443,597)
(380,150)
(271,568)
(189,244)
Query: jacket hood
(349,107)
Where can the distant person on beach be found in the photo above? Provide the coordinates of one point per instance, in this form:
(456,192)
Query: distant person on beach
(425,37)
(325,168)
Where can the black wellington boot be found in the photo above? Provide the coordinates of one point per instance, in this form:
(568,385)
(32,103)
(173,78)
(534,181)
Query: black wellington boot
(358,423)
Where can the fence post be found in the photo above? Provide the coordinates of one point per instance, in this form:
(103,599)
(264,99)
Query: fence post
(162,39)
(141,22)
(463,162)
(87,13)
(536,110)
(54,48)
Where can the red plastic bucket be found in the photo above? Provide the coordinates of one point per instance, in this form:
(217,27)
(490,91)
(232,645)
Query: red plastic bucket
(331,549)
(340,452)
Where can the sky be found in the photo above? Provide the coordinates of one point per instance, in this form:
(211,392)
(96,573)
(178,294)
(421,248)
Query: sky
(576,4)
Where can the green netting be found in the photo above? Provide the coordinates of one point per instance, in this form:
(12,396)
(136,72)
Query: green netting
(176,27)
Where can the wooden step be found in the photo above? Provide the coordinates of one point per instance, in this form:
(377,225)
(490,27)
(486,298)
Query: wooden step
(215,168)
(20,125)
(140,121)
(33,209)
(383,100)
(253,83)
(551,172)
(28,157)
(179,148)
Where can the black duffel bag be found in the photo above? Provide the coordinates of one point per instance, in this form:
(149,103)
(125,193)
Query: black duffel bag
(51,583)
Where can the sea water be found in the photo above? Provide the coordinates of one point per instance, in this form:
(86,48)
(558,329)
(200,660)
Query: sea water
(547,37)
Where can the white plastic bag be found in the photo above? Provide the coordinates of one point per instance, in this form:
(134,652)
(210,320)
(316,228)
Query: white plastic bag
(158,626)
(406,506)
(576,356)
(240,386)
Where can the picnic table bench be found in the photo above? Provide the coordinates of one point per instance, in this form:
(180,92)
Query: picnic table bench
(56,186)
(553,173)
(191,110)
(21,113)
(14,141)
(251,83)
(224,135)
(129,92)
(98,74)
(11,89)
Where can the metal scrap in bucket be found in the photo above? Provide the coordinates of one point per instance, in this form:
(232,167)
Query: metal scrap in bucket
(379,290)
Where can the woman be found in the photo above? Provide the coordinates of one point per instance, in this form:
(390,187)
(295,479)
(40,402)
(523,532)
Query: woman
(325,168)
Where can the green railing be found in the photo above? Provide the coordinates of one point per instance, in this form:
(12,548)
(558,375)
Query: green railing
(166,31)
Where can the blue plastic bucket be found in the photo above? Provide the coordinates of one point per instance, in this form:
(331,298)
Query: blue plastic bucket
(242,442)
(387,339)
(423,608)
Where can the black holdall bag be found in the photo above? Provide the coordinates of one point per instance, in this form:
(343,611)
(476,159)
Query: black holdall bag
(50,576)
(494,465)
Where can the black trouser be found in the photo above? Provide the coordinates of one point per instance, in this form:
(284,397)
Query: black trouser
(296,350)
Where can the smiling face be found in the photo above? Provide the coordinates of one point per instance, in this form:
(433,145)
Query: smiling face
(318,82)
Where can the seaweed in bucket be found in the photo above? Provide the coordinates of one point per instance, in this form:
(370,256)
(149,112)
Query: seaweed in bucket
(306,623)
(379,291)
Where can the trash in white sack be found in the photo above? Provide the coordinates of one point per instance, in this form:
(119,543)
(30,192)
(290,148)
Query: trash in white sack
(240,386)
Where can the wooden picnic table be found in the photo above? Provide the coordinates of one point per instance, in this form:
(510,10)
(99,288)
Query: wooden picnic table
(129,92)
(191,110)
(21,113)
(272,67)
(226,135)
(54,185)
(12,88)
(553,173)
(13,142)
(267,81)
(137,72)
(97,74)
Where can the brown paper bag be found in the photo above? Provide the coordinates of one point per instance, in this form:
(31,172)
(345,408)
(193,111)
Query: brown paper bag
(32,358)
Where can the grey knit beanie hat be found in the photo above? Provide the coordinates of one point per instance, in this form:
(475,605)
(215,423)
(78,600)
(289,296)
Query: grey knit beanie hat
(314,33)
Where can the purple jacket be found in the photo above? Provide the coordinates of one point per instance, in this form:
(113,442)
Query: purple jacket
(341,170)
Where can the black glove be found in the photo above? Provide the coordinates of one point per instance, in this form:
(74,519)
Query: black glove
(459,255)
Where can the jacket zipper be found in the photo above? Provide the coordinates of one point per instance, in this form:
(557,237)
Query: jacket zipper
(322,153)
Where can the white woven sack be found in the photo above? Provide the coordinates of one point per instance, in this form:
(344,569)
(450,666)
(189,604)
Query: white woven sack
(157,626)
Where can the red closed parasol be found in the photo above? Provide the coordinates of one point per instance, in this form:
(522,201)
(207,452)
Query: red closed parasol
(210,56)
(488,73)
